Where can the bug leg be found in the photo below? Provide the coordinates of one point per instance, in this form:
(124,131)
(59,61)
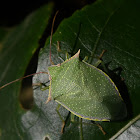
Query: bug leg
(41,85)
(72,117)
(81,129)
(97,124)
(100,127)
(58,46)
(103,65)
(63,122)
(99,61)
(85,58)
(62,51)
(44,88)
(101,55)
(84,123)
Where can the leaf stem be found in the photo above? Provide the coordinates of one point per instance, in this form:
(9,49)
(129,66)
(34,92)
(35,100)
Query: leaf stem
(125,127)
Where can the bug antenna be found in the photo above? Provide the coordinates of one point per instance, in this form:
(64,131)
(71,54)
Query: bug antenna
(51,35)
(20,79)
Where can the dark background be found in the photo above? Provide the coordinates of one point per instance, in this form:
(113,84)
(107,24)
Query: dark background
(13,12)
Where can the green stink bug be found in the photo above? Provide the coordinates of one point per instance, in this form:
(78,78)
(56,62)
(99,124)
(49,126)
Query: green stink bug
(85,90)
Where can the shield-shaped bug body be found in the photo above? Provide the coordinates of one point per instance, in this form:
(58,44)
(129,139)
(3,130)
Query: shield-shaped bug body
(85,91)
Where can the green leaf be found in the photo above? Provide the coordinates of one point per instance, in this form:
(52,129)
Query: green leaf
(112,25)
(16,49)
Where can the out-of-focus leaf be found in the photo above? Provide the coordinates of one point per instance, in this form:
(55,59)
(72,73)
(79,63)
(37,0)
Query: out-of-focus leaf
(16,50)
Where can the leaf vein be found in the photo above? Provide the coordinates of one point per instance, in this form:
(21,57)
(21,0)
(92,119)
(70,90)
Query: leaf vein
(121,50)
(99,36)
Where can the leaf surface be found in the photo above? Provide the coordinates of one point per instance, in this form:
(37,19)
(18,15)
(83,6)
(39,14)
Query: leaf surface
(112,25)
(109,25)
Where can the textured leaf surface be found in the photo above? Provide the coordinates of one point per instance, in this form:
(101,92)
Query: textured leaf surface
(111,25)
(16,50)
